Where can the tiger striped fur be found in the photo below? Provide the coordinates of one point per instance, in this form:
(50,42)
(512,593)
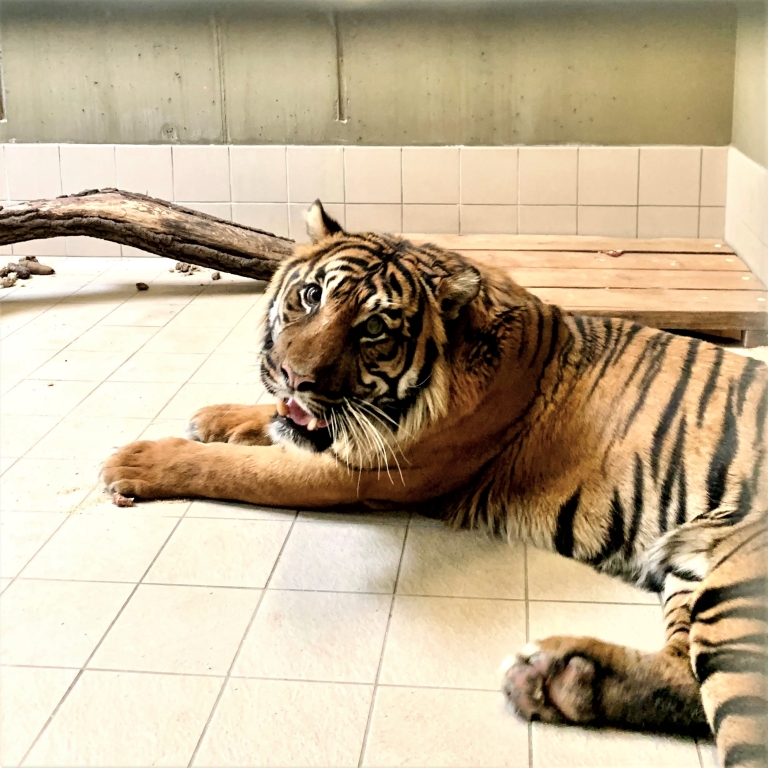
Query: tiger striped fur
(415,378)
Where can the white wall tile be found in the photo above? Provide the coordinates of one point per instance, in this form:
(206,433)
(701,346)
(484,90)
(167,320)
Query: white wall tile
(608,175)
(488,219)
(488,175)
(747,245)
(90,246)
(297,218)
(669,175)
(316,173)
(750,198)
(667,221)
(548,176)
(201,174)
(431,219)
(87,166)
(3,176)
(372,174)
(712,222)
(33,171)
(54,246)
(145,169)
(431,175)
(259,174)
(547,220)
(746,211)
(607,220)
(374,217)
(714,175)
(271,217)
(129,252)
(219,210)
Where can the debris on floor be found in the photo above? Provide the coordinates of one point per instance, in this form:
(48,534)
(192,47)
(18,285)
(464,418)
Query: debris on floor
(142,287)
(216,276)
(184,268)
(22,270)
(8,280)
(35,267)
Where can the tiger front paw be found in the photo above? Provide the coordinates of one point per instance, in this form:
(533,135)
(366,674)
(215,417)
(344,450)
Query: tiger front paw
(152,469)
(546,681)
(240,424)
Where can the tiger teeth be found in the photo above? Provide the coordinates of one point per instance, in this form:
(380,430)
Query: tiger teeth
(312,426)
(282,408)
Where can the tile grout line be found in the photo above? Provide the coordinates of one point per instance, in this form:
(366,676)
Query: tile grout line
(63,349)
(701,176)
(54,305)
(517,187)
(367,731)
(288,193)
(37,551)
(578,157)
(228,676)
(255,677)
(313,591)
(527,640)
(637,212)
(460,190)
(119,613)
(119,365)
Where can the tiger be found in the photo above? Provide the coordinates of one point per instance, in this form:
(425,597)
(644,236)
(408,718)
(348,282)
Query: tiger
(408,376)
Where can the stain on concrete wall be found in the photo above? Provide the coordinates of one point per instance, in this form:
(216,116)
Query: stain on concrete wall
(528,74)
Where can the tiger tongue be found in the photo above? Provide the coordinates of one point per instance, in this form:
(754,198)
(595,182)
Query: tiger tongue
(299,416)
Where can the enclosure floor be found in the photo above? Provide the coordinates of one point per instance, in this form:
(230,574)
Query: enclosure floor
(200,633)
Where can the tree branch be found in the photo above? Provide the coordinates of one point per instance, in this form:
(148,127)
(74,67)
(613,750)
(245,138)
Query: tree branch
(153,225)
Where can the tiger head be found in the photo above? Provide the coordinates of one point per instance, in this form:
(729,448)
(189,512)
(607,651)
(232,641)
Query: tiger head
(356,339)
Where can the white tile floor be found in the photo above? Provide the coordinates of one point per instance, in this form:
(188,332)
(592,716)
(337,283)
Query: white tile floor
(201,633)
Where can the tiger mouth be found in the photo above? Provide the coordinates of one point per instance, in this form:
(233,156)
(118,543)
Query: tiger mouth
(290,409)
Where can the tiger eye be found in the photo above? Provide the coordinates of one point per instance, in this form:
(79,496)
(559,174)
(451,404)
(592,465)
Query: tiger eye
(374,326)
(312,294)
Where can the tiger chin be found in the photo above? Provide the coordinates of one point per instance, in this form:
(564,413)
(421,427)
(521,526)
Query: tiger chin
(409,376)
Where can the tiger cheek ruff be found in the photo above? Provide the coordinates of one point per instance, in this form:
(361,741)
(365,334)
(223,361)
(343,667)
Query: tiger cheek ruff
(406,376)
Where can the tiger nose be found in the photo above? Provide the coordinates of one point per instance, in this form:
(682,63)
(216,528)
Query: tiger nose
(296,381)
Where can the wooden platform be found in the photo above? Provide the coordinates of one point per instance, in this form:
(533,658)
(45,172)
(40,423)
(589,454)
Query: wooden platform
(671,283)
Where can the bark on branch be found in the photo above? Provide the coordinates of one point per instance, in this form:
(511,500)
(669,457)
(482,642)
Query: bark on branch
(153,225)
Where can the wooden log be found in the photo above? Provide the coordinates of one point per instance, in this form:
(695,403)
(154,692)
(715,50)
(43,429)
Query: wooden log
(153,225)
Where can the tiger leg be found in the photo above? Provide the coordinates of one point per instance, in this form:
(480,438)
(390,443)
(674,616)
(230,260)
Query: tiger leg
(265,475)
(241,424)
(586,681)
(729,653)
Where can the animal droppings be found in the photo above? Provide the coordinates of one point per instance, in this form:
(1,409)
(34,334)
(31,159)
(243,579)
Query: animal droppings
(35,267)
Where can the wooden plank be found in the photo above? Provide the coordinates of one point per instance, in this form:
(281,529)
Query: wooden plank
(667,308)
(639,279)
(571,243)
(582,260)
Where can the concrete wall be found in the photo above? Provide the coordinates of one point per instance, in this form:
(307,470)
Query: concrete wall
(527,74)
(750,103)
(746,206)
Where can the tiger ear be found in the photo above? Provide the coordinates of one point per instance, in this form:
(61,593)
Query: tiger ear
(457,290)
(319,223)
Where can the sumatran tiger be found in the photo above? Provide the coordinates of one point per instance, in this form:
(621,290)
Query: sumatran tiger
(407,376)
